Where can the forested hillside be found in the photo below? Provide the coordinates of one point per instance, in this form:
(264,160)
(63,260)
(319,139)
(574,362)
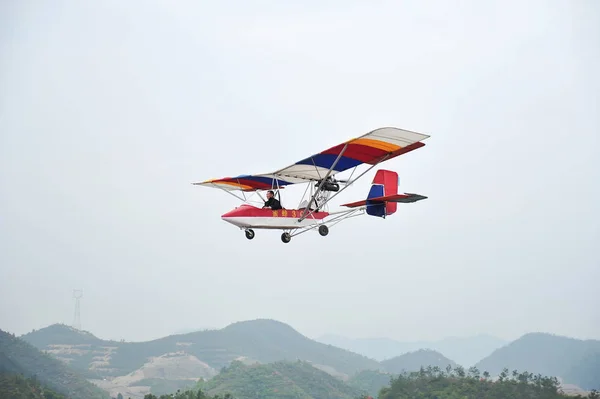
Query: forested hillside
(458,384)
(20,357)
(16,386)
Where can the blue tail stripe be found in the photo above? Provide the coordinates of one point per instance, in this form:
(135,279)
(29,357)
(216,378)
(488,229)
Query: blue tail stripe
(375,208)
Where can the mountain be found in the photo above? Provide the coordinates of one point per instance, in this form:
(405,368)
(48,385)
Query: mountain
(464,350)
(19,357)
(278,380)
(572,360)
(413,361)
(136,368)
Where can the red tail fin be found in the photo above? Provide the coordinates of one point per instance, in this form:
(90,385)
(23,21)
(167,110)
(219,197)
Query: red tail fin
(383,196)
(388,181)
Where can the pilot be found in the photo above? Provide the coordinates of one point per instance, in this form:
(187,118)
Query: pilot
(271,201)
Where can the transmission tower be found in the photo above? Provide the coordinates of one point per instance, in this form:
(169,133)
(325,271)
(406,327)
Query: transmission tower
(77,294)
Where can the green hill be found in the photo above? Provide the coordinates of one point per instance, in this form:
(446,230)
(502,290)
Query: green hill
(279,380)
(20,357)
(413,361)
(572,360)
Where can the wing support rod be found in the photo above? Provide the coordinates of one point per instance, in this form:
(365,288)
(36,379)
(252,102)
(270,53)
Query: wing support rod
(230,193)
(306,210)
(343,188)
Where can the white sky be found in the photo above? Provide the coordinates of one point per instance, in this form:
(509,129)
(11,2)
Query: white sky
(109,110)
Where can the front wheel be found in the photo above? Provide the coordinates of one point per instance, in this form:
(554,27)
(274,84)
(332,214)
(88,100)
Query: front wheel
(323,230)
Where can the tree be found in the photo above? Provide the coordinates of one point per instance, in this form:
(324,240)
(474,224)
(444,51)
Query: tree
(474,372)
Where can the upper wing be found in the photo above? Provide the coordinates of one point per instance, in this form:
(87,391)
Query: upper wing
(372,148)
(249,183)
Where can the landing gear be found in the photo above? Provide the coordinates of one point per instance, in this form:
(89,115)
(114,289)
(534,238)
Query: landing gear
(249,234)
(323,230)
(286,237)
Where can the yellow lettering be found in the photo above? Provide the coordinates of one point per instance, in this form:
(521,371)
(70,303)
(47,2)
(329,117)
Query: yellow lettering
(284,213)
(294,213)
(275,214)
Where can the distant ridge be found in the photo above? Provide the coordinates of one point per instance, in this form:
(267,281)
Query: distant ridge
(466,351)
(413,361)
(573,360)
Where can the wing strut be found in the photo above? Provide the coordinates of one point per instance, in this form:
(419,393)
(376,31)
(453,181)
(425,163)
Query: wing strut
(306,210)
(310,212)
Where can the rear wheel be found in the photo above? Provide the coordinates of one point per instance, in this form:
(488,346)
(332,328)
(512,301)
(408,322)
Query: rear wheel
(249,234)
(286,237)
(323,230)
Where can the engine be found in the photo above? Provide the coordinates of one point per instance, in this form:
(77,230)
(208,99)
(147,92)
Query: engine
(329,185)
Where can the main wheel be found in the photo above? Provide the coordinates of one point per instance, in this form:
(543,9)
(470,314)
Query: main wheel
(249,234)
(323,230)
(286,237)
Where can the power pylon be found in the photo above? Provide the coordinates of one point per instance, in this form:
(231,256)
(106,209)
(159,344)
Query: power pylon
(77,294)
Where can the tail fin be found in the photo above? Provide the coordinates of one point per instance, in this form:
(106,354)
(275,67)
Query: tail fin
(383,196)
(385,184)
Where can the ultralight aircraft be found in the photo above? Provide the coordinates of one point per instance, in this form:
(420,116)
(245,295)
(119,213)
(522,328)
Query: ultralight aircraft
(318,173)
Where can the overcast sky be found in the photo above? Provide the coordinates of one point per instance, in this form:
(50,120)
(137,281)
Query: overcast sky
(109,110)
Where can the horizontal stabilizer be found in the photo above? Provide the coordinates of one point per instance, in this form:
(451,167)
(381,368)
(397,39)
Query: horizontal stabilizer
(402,198)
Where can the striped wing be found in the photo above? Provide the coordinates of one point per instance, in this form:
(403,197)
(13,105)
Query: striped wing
(372,148)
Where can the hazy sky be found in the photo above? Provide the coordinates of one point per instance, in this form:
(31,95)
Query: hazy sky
(110,109)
